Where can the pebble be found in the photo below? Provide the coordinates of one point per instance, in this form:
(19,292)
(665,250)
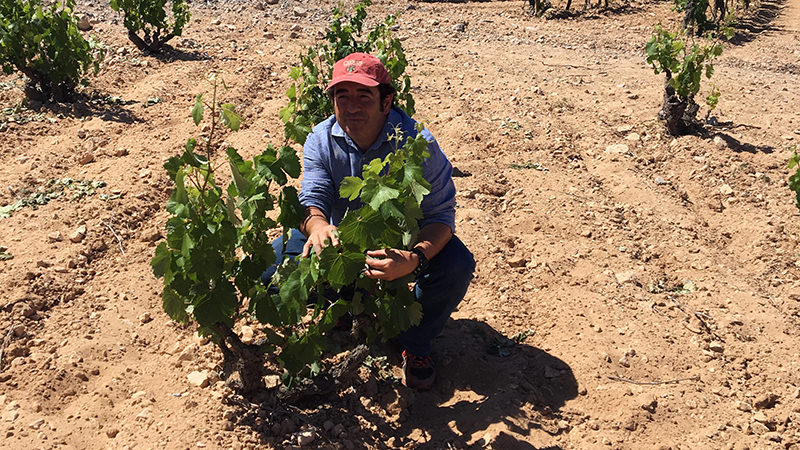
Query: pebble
(151,236)
(761,417)
(618,148)
(199,378)
(188,353)
(10,416)
(216,21)
(719,142)
(78,235)
(626,277)
(647,402)
(299,12)
(112,432)
(84,24)
(744,406)
(145,318)
(624,128)
(247,334)
(36,424)
(716,347)
(460,27)
(86,158)
(144,415)
(633,137)
(305,438)
(18,330)
(660,181)
(54,236)
(725,189)
(120,152)
(517,261)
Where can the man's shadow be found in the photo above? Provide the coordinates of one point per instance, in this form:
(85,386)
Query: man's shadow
(489,384)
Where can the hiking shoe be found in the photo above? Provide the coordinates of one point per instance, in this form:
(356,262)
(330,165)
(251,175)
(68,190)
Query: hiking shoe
(418,371)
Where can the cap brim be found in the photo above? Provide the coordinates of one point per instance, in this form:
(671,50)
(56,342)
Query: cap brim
(358,78)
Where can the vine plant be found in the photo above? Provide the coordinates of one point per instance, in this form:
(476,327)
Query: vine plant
(217,243)
(794,179)
(44,43)
(149,23)
(308,102)
(683,63)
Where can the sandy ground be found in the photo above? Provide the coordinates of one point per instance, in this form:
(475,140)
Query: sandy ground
(652,281)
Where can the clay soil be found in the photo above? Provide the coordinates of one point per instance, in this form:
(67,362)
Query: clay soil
(650,283)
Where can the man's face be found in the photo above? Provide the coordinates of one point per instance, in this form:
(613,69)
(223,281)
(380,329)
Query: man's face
(359,111)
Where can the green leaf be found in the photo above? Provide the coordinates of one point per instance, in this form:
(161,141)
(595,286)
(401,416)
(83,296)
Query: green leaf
(229,117)
(234,160)
(301,351)
(161,260)
(345,268)
(378,194)
(292,212)
(174,306)
(361,228)
(331,316)
(351,187)
(218,306)
(178,200)
(290,161)
(197,110)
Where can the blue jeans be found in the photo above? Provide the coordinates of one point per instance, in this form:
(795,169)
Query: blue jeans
(439,289)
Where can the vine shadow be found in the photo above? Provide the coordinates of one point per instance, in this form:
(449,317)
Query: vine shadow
(596,12)
(169,54)
(748,28)
(485,380)
(739,147)
(95,105)
(490,390)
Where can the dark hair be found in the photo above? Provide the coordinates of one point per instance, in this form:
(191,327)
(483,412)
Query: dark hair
(386,90)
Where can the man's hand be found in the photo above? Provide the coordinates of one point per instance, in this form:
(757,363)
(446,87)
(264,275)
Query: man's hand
(390,264)
(318,238)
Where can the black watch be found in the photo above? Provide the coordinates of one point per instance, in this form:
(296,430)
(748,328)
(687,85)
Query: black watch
(423,261)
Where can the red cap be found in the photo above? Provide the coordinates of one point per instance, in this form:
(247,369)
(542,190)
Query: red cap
(360,68)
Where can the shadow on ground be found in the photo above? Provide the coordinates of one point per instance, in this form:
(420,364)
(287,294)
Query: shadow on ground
(760,21)
(491,392)
(487,381)
(738,146)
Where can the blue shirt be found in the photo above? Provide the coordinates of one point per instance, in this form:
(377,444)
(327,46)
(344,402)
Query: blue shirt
(329,155)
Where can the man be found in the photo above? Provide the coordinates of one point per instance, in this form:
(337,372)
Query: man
(358,132)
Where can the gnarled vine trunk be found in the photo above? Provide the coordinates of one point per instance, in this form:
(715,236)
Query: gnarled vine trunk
(678,112)
(246,359)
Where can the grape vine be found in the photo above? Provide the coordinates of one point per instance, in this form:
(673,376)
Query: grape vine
(217,242)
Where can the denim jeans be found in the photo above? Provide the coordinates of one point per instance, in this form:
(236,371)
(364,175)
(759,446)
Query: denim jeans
(439,289)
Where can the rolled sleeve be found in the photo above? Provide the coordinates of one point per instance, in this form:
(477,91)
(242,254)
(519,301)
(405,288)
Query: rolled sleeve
(317,188)
(439,206)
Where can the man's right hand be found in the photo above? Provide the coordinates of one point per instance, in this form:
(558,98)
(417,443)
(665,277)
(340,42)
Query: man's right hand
(320,235)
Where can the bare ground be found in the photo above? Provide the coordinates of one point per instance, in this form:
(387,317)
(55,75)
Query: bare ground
(652,281)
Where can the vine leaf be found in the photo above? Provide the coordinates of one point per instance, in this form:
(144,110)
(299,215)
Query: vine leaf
(361,229)
(229,117)
(174,306)
(351,187)
(197,110)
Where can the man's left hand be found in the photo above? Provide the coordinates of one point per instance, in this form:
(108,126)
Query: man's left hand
(390,264)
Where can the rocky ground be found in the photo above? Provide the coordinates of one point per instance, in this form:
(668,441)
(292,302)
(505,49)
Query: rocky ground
(633,290)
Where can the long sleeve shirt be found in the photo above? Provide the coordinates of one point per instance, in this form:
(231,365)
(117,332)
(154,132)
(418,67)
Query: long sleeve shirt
(329,155)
